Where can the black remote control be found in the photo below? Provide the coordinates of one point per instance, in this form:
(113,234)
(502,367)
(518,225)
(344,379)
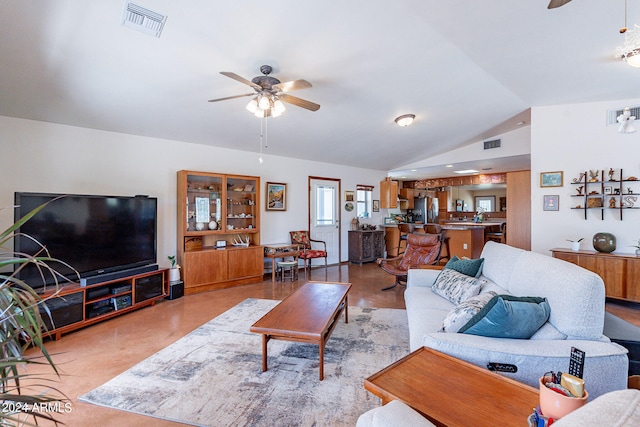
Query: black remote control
(576,362)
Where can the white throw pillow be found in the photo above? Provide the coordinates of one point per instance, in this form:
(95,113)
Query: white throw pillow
(456,287)
(463,312)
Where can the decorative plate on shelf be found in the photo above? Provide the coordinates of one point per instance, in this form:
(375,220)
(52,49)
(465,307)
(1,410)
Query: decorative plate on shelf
(348,206)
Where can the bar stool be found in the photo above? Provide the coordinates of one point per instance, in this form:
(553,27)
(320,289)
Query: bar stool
(284,267)
(432,228)
(497,236)
(404,229)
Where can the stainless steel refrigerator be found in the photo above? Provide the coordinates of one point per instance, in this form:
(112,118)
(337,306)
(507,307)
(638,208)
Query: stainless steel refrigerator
(425,209)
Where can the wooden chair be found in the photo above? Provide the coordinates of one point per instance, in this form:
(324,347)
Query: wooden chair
(422,249)
(307,253)
(497,236)
(432,228)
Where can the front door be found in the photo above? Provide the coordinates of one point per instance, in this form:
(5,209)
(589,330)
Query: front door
(324,214)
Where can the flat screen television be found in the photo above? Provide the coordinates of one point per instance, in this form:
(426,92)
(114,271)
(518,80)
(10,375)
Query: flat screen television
(93,234)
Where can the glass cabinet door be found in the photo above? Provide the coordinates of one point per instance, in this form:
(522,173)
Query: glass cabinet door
(203,204)
(241,204)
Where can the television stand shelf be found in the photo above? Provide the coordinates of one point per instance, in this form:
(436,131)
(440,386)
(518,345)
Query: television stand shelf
(75,306)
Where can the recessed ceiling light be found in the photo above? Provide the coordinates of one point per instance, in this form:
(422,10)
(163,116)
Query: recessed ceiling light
(414,170)
(449,166)
(467,171)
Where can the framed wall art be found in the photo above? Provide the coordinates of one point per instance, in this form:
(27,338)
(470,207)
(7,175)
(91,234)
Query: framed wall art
(376,205)
(349,196)
(551,203)
(551,179)
(276,196)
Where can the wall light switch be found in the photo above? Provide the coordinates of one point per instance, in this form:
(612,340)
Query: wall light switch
(464,246)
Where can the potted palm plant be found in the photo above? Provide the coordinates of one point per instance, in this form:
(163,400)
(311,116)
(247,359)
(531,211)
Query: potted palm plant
(27,399)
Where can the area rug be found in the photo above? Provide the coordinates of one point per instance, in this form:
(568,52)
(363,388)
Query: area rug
(213,376)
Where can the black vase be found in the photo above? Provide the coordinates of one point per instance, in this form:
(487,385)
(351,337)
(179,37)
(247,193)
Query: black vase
(604,242)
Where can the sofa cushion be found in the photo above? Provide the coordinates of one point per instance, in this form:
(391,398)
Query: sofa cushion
(393,414)
(506,316)
(463,312)
(470,267)
(456,287)
(614,409)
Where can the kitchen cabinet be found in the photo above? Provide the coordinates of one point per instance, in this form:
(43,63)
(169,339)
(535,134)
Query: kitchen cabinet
(388,194)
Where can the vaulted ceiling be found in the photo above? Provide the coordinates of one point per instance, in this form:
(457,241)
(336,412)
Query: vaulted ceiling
(461,66)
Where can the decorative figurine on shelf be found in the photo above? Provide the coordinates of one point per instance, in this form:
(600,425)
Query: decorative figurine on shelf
(611,174)
(629,201)
(579,178)
(593,176)
(579,190)
(612,202)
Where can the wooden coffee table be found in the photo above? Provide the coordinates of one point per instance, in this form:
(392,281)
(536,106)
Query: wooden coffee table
(451,392)
(309,315)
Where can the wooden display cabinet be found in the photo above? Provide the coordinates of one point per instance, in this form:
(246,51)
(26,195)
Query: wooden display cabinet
(365,245)
(215,212)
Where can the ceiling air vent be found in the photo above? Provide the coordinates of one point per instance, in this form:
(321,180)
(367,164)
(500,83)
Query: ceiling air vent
(612,115)
(496,143)
(142,19)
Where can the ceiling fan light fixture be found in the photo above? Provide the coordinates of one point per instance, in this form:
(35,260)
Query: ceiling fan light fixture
(278,107)
(264,102)
(252,106)
(633,58)
(629,52)
(405,120)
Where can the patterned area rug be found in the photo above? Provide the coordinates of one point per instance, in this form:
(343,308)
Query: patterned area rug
(213,376)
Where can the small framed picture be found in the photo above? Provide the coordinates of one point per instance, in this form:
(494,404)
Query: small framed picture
(551,203)
(608,190)
(276,196)
(349,196)
(376,206)
(551,179)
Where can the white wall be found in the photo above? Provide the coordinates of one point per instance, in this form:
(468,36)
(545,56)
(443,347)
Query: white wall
(45,157)
(575,138)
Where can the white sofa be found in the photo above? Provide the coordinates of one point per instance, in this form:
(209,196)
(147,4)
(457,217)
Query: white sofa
(576,299)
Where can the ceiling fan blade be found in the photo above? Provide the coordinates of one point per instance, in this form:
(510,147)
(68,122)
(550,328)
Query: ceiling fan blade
(236,77)
(299,102)
(292,85)
(557,3)
(231,97)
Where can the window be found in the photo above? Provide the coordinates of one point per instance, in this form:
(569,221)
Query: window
(325,210)
(485,203)
(363,200)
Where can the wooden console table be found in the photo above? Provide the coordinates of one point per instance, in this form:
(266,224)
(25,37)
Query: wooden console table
(365,245)
(620,272)
(451,392)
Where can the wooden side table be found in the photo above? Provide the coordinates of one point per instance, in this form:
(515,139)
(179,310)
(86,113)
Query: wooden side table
(451,392)
(280,250)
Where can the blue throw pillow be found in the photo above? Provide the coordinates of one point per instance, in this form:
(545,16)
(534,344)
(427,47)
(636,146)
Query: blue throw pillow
(470,267)
(506,316)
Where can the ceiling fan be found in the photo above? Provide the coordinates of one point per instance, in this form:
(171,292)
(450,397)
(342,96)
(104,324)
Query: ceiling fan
(269,92)
(557,3)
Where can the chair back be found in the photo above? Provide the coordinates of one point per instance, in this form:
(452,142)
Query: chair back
(432,228)
(300,238)
(422,249)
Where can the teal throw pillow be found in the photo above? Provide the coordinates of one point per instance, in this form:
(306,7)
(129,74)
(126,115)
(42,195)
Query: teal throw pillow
(506,316)
(470,267)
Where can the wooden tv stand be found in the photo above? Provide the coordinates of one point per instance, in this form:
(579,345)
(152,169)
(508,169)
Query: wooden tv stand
(74,306)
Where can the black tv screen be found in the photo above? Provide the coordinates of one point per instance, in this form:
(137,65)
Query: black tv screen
(92,234)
